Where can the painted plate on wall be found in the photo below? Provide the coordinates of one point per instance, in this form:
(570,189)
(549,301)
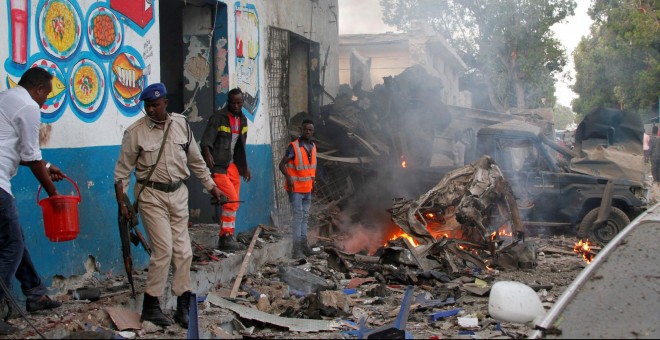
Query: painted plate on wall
(127,77)
(59,28)
(87,86)
(104,31)
(56,98)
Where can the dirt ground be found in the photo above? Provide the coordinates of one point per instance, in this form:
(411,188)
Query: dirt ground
(557,266)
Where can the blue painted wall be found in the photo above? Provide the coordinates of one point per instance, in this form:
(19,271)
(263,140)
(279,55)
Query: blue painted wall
(92,169)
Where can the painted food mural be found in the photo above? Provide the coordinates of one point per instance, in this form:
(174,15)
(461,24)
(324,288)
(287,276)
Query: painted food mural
(87,86)
(127,81)
(104,31)
(59,25)
(57,96)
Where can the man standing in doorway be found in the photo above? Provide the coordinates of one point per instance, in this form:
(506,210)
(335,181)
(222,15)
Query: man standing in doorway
(299,169)
(20,117)
(224,150)
(163,152)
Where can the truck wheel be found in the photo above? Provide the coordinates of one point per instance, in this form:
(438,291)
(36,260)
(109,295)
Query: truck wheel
(606,232)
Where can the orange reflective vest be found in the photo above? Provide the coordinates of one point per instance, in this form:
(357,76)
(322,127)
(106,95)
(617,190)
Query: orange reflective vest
(301,169)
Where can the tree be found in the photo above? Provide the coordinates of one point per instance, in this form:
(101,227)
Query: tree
(508,45)
(563,116)
(618,64)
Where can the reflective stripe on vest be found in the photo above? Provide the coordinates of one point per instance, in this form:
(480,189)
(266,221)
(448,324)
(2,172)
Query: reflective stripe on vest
(300,169)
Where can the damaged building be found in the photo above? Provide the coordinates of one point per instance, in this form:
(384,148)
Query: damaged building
(280,55)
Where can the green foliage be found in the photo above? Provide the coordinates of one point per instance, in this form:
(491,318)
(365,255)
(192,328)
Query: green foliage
(508,45)
(618,65)
(563,116)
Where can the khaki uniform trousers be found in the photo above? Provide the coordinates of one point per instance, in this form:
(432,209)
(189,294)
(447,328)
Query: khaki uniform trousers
(165,218)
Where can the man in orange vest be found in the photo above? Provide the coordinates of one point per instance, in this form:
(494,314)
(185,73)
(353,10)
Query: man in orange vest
(299,169)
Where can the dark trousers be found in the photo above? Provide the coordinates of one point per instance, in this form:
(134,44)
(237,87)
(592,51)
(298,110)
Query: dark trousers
(14,256)
(655,169)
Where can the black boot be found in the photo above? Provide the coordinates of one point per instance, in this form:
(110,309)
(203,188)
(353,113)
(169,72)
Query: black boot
(296,250)
(182,309)
(304,247)
(7,329)
(151,311)
(33,304)
(227,242)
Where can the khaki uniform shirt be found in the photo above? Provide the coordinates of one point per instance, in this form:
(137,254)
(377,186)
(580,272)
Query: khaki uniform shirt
(141,144)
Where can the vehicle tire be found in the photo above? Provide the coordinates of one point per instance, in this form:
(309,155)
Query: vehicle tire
(616,221)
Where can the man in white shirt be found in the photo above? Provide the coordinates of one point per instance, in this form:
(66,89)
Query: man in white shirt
(20,117)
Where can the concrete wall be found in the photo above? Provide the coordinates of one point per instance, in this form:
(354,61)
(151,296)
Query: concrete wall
(80,133)
(392,53)
(315,20)
(386,60)
(82,136)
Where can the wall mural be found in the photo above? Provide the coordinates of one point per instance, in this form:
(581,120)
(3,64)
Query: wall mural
(85,51)
(247,55)
(220,52)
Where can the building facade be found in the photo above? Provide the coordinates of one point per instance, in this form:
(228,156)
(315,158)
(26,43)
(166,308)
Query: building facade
(103,53)
(389,54)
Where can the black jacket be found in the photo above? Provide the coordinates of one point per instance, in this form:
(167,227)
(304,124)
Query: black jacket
(217,136)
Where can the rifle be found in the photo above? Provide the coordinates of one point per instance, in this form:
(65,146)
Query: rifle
(219,203)
(129,234)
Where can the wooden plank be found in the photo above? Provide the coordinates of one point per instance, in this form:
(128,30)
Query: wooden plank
(551,250)
(454,269)
(124,318)
(246,260)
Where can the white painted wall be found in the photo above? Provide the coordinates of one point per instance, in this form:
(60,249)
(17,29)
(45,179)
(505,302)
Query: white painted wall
(70,131)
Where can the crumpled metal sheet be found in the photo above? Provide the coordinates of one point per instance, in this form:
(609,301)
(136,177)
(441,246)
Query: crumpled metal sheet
(465,200)
(609,144)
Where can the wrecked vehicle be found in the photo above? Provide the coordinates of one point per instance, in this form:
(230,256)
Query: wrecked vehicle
(597,188)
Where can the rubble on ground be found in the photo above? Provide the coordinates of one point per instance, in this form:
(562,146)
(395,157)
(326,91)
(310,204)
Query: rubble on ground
(327,295)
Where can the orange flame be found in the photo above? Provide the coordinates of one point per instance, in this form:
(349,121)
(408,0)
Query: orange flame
(403,161)
(584,248)
(401,234)
(505,231)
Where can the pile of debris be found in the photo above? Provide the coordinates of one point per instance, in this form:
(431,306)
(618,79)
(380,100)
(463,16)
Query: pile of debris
(331,294)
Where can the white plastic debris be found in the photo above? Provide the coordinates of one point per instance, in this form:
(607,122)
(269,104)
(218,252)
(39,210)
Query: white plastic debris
(468,322)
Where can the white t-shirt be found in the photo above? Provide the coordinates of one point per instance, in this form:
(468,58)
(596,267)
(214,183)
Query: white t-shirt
(19,132)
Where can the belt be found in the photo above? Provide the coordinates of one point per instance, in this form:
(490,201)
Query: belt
(165,187)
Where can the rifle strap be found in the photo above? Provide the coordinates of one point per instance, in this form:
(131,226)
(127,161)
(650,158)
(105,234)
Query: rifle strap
(160,153)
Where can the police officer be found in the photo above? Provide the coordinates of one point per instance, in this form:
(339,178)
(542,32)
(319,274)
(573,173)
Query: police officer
(163,203)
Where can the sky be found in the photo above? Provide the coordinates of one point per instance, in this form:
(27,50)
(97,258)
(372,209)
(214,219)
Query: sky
(364,16)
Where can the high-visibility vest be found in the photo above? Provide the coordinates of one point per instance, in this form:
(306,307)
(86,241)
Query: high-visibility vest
(301,170)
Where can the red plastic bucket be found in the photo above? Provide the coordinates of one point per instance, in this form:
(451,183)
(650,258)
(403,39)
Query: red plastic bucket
(60,215)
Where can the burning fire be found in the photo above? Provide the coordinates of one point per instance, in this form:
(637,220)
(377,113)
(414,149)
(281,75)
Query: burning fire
(403,161)
(505,231)
(584,248)
(401,234)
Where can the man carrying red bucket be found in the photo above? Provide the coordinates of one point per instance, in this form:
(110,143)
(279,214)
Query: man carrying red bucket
(20,117)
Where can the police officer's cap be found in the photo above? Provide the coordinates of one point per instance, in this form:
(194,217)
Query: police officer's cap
(153,92)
